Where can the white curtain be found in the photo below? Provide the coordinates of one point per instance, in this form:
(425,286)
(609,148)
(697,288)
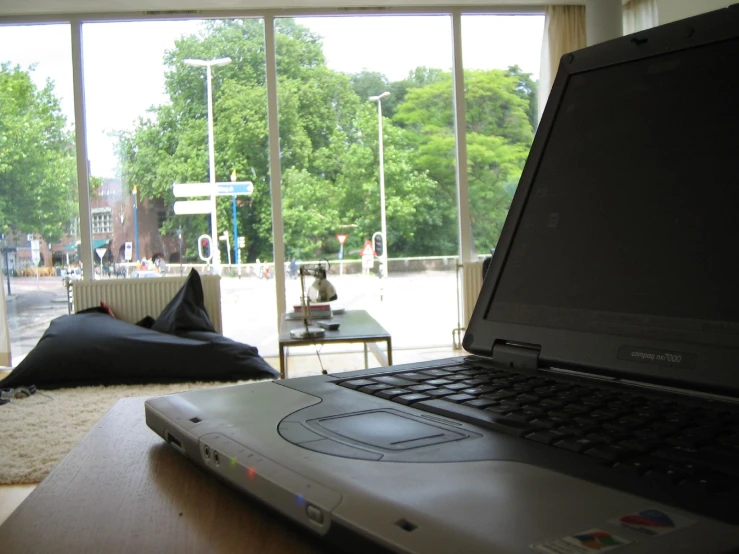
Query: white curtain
(639,15)
(564,31)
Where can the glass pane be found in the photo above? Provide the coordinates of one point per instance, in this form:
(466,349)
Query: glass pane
(149,130)
(331,71)
(501,59)
(38,178)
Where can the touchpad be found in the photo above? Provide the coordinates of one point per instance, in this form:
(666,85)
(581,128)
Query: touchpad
(386,429)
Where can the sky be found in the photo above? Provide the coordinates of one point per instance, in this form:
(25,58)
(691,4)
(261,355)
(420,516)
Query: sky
(124,72)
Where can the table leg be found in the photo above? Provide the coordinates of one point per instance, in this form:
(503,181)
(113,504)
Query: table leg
(283,362)
(389,351)
(366,357)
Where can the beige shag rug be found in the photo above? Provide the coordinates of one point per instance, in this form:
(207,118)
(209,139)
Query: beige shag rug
(38,431)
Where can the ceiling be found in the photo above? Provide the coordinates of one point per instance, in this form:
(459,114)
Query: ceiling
(20,8)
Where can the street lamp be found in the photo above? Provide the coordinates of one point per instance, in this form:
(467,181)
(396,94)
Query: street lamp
(207,64)
(383,257)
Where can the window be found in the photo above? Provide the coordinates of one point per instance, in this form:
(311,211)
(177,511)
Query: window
(102,220)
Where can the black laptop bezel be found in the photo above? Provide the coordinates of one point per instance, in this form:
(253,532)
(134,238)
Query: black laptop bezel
(711,368)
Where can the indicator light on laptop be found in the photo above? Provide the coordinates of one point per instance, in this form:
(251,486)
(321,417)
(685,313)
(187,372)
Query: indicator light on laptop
(300,499)
(250,472)
(233,462)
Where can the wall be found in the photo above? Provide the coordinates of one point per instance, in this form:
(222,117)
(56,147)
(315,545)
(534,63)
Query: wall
(672,10)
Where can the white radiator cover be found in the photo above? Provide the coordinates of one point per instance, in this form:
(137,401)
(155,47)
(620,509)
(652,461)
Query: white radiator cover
(471,287)
(133,299)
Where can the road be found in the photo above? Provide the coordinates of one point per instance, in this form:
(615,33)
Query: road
(418,309)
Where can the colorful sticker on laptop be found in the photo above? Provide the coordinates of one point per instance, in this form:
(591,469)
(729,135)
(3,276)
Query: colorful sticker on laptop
(652,522)
(586,542)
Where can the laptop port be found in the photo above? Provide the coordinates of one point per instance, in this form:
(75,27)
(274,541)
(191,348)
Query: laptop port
(207,451)
(215,457)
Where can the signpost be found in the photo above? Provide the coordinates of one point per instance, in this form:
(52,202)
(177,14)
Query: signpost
(101,252)
(189,190)
(368,257)
(35,254)
(342,239)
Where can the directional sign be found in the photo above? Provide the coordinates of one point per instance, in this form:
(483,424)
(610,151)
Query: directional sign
(36,251)
(128,252)
(192,207)
(191,189)
(188,190)
(228,189)
(367,249)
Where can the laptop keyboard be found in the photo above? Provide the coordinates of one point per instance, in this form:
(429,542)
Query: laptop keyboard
(693,445)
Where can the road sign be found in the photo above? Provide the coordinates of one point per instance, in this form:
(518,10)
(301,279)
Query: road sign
(128,252)
(188,190)
(341,238)
(192,207)
(36,251)
(367,250)
(191,189)
(229,189)
(242,242)
(101,252)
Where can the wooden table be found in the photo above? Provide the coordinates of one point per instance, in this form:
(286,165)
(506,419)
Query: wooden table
(355,326)
(122,489)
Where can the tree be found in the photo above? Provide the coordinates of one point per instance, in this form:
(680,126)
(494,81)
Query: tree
(499,135)
(328,140)
(37,158)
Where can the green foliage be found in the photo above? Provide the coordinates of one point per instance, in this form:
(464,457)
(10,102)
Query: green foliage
(37,158)
(329,149)
(499,135)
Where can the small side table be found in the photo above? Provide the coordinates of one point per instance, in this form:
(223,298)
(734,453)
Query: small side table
(355,326)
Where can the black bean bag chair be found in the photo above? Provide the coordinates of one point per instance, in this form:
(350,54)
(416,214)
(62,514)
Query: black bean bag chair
(93,348)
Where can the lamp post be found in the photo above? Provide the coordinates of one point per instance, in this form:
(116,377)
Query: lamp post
(383,257)
(207,64)
(136,220)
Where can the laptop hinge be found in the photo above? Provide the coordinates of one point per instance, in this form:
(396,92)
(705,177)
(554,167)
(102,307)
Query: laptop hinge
(522,357)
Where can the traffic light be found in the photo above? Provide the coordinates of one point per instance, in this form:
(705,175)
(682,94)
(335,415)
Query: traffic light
(205,250)
(378,244)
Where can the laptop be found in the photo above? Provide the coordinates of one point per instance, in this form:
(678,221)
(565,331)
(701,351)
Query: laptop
(596,407)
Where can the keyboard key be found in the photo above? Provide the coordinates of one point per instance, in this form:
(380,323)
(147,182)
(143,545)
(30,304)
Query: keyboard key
(610,453)
(421,388)
(412,376)
(409,399)
(391,393)
(357,383)
(394,381)
(548,437)
(708,483)
(483,418)
(438,382)
(372,389)
(637,466)
(579,444)
(459,398)
(456,386)
(438,393)
(436,372)
(476,391)
(480,403)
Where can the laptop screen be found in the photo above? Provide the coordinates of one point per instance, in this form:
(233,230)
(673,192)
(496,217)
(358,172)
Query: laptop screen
(633,214)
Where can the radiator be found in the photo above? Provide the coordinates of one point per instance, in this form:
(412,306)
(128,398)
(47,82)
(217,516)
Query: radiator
(133,299)
(471,287)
